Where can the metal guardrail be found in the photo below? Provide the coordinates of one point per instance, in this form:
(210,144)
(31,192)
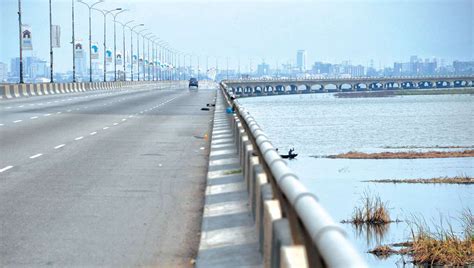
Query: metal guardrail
(368,78)
(279,200)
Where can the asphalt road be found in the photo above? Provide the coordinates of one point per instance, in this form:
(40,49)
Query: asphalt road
(104,178)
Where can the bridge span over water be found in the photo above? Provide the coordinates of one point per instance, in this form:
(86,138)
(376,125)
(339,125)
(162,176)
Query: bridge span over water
(258,87)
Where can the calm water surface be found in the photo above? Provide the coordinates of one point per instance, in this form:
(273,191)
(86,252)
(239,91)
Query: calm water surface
(318,125)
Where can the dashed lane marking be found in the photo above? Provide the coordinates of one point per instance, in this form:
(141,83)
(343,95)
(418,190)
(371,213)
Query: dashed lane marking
(17,121)
(59,146)
(35,156)
(105,128)
(79,138)
(33,117)
(93,133)
(5,168)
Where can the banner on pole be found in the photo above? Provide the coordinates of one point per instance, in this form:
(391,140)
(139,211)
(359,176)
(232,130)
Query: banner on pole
(26,43)
(94,51)
(118,60)
(108,56)
(78,50)
(56,34)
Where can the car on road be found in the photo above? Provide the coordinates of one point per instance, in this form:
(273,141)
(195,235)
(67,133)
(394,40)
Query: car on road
(193,82)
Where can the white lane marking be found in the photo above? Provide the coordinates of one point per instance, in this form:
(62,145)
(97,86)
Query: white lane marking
(47,114)
(5,168)
(33,117)
(115,124)
(21,106)
(93,133)
(124,119)
(1,125)
(59,112)
(35,156)
(59,146)
(69,110)
(8,107)
(79,138)
(130,116)
(105,128)
(17,121)
(48,102)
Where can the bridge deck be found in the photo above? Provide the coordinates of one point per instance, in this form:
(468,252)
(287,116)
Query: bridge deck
(229,234)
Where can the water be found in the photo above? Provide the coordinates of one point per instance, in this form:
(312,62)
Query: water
(318,125)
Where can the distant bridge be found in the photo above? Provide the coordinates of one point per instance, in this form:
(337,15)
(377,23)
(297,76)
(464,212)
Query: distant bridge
(259,87)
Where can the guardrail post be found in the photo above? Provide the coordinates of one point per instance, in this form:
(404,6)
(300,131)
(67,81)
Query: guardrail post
(293,257)
(271,212)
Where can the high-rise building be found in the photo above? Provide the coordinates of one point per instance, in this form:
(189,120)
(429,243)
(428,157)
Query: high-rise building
(301,60)
(3,72)
(263,69)
(33,68)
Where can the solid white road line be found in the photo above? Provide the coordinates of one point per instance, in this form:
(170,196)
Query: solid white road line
(5,168)
(59,146)
(79,138)
(35,156)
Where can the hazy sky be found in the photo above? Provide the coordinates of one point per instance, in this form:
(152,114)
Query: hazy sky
(334,31)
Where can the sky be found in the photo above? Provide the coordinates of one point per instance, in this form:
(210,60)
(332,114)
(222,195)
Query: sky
(334,31)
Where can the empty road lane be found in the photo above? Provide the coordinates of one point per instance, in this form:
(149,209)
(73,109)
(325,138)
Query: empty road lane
(108,180)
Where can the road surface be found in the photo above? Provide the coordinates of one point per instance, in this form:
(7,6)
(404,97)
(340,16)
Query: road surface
(103,178)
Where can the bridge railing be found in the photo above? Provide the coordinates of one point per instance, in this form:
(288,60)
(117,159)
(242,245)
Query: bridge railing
(10,90)
(294,229)
(358,78)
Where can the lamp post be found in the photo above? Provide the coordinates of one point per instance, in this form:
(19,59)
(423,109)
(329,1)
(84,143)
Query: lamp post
(123,52)
(131,48)
(161,58)
(89,6)
(147,65)
(138,52)
(51,79)
(20,39)
(104,13)
(73,42)
(198,65)
(115,46)
(154,39)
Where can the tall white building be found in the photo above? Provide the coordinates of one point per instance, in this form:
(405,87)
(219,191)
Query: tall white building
(301,60)
(3,72)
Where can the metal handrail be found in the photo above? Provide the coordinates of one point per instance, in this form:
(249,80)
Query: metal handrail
(325,241)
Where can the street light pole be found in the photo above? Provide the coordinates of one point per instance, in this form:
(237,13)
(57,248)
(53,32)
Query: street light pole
(73,42)
(51,79)
(115,44)
(104,13)
(20,39)
(147,65)
(138,52)
(90,34)
(123,51)
(131,48)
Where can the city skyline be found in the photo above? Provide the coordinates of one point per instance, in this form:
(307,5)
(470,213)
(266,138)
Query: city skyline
(173,17)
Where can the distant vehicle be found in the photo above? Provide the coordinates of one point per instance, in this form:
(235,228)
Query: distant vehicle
(193,82)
